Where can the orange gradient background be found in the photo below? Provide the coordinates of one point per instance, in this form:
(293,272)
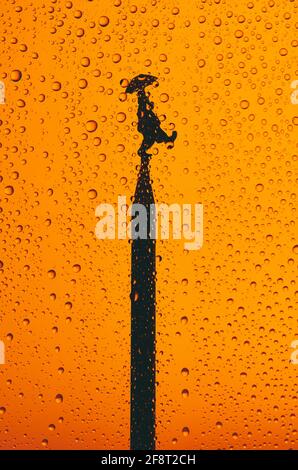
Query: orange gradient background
(226,314)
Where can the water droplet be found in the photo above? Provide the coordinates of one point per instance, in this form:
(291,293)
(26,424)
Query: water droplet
(104,21)
(83,83)
(59,398)
(164,97)
(259,187)
(116,58)
(85,62)
(121,117)
(9,190)
(91,126)
(244,104)
(52,274)
(16,75)
(56,86)
(92,193)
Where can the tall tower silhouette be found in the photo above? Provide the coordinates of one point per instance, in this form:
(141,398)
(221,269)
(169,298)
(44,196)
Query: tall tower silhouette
(143,276)
(143,322)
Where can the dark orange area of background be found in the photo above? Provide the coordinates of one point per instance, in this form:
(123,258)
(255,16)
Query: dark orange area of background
(226,314)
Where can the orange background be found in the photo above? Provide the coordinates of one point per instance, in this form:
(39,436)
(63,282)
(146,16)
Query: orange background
(225,314)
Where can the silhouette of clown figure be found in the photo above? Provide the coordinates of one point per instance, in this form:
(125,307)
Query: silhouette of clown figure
(148,122)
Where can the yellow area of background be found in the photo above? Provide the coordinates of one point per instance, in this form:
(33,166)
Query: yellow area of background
(226,314)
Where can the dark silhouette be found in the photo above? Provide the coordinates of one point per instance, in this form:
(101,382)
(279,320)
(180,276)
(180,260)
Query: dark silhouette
(142,411)
(148,122)
(149,126)
(143,278)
